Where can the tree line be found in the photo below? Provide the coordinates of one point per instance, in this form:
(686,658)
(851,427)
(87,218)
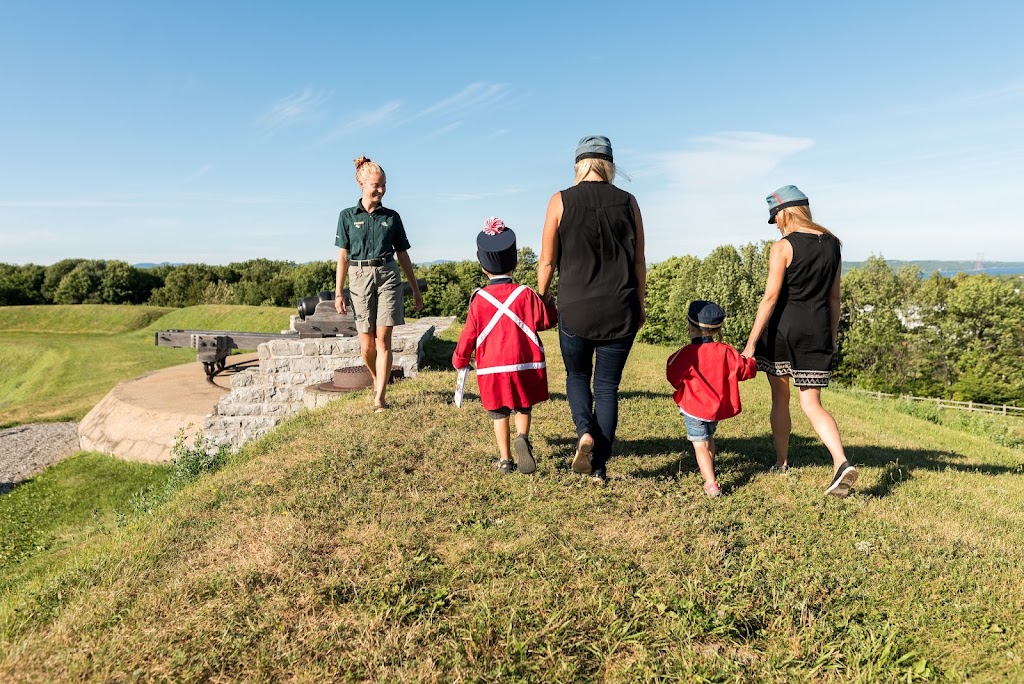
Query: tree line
(956,337)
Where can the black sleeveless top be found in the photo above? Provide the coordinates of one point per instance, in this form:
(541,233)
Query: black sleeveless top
(597,286)
(798,337)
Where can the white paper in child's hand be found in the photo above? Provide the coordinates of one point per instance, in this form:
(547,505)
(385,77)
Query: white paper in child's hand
(460,386)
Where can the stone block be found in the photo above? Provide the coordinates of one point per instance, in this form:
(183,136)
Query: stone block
(285,348)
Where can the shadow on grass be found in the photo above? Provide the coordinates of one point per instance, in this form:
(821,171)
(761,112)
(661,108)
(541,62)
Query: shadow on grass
(437,355)
(634,394)
(747,457)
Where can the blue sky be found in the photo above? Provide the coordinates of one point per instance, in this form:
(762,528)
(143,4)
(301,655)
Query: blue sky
(224,131)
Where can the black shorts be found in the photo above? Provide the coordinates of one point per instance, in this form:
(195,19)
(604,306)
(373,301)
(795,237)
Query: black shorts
(505,412)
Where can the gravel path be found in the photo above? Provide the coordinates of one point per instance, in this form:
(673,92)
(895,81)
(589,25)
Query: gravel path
(26,450)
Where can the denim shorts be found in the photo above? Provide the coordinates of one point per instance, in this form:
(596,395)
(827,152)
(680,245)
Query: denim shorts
(698,430)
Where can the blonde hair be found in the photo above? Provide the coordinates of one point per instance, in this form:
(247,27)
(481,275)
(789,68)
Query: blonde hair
(800,217)
(604,168)
(366,168)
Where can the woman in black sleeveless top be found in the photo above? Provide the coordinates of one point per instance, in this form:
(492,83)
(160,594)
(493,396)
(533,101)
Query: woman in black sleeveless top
(796,324)
(594,236)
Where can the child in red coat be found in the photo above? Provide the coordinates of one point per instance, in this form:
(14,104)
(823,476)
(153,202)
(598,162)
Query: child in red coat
(501,332)
(706,374)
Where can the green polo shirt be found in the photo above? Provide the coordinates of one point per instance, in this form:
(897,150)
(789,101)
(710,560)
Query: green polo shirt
(370,235)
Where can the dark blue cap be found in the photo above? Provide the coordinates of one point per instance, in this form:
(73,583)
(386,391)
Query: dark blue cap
(705,314)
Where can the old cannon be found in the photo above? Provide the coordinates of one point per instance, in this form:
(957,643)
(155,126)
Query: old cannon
(317,318)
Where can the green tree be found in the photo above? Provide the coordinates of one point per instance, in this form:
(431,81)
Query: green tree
(21,285)
(81,285)
(449,286)
(873,338)
(264,282)
(314,277)
(526,269)
(662,280)
(989,313)
(122,283)
(54,274)
(184,286)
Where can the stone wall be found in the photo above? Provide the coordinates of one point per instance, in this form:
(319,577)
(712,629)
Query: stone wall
(262,397)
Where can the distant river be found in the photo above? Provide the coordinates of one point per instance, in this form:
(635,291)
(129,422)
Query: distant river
(992,271)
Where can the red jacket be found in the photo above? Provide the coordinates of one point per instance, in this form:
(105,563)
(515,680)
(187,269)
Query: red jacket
(707,376)
(510,365)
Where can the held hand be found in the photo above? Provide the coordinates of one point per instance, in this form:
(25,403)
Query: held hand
(339,304)
(748,351)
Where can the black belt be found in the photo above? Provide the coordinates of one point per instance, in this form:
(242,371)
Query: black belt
(379,261)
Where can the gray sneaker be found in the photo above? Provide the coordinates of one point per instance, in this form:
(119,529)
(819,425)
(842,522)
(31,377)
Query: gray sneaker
(523,450)
(505,465)
(842,483)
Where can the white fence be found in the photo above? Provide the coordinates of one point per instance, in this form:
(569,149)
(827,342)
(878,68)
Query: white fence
(1002,409)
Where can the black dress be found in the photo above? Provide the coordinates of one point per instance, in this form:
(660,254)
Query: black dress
(798,338)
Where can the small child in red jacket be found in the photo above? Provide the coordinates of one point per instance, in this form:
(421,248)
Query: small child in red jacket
(501,332)
(706,374)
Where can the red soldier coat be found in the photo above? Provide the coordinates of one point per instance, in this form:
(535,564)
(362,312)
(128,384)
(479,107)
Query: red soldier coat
(501,332)
(707,376)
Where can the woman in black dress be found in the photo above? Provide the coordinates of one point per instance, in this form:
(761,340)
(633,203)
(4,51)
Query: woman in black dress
(795,327)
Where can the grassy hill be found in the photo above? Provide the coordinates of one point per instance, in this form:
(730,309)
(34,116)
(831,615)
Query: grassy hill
(357,546)
(59,361)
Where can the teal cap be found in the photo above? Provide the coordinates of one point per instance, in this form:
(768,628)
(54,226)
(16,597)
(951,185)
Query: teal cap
(786,196)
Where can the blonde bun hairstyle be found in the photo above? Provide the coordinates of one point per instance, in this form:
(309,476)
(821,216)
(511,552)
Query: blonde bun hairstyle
(365,168)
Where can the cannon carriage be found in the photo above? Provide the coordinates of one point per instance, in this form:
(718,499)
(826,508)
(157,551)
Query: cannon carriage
(317,318)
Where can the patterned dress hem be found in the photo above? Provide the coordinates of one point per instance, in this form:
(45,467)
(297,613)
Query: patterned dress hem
(801,378)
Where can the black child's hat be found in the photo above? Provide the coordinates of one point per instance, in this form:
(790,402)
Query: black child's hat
(496,247)
(705,315)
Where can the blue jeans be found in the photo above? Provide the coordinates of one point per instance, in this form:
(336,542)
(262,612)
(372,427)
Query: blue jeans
(595,412)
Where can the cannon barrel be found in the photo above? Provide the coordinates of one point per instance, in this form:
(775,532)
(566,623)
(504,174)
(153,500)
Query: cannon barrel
(307,305)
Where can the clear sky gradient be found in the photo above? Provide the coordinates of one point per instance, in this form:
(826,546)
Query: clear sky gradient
(223,131)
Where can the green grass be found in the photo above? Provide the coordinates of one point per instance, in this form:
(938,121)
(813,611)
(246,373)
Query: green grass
(356,546)
(54,514)
(62,365)
(80,318)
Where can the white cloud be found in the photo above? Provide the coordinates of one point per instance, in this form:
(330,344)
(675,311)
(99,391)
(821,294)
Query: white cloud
(719,161)
(473,96)
(712,192)
(299,107)
(364,120)
(445,129)
(27,238)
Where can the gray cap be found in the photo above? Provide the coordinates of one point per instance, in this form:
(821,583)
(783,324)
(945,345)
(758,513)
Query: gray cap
(594,147)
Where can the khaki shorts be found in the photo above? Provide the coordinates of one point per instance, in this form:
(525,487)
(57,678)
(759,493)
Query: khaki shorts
(376,293)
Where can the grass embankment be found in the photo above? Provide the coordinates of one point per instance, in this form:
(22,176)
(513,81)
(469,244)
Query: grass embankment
(51,517)
(359,546)
(60,361)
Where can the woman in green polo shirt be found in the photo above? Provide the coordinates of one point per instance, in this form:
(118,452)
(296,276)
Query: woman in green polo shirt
(370,239)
